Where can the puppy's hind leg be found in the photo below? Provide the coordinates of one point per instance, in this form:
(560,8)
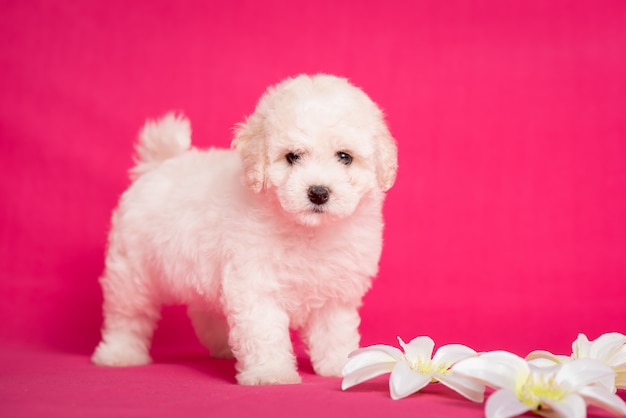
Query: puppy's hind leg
(212,331)
(130,317)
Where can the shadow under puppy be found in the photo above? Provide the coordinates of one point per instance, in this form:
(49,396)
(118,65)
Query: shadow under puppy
(284,231)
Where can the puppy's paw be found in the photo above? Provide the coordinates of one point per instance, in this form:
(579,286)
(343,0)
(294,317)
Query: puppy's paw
(330,366)
(116,354)
(267,376)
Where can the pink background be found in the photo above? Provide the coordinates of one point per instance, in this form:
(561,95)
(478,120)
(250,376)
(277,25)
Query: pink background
(506,228)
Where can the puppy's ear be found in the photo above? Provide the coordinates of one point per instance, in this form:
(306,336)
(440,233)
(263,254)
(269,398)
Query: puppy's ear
(386,159)
(249,142)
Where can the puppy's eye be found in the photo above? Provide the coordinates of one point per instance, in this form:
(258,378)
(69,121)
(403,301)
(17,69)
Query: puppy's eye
(292,157)
(344,158)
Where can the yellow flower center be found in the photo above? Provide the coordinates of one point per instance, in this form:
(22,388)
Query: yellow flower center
(426,366)
(536,387)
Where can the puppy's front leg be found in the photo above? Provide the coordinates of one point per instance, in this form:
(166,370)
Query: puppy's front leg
(259,337)
(331,334)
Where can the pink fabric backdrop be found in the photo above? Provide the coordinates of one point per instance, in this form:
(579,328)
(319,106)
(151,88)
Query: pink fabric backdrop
(506,228)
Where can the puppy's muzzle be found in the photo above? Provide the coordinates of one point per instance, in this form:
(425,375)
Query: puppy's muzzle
(318,194)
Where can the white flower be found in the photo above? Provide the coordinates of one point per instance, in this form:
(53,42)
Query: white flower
(412,370)
(562,389)
(609,348)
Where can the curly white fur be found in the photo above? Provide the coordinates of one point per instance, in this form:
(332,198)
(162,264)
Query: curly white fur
(252,262)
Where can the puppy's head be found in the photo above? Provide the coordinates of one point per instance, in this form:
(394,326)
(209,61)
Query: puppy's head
(320,144)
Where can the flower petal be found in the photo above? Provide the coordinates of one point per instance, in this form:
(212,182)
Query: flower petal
(619,358)
(504,404)
(472,390)
(606,345)
(367,363)
(619,365)
(404,381)
(542,363)
(620,380)
(389,350)
(571,406)
(419,347)
(498,369)
(452,353)
(363,374)
(546,355)
(581,346)
(602,398)
(582,372)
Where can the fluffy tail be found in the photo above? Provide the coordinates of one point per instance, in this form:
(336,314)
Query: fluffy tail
(159,140)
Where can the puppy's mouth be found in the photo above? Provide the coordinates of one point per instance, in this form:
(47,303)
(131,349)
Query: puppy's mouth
(314,215)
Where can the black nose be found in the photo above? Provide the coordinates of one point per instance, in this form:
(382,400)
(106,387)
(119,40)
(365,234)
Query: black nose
(318,194)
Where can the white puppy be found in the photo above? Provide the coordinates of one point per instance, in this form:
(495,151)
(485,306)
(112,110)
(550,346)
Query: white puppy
(283,232)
